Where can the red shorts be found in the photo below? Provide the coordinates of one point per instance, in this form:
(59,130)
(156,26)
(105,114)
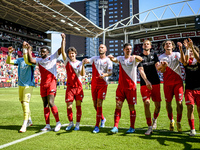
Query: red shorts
(192,97)
(99,92)
(74,93)
(48,89)
(154,93)
(171,90)
(126,93)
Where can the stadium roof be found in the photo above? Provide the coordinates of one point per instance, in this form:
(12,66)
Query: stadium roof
(48,15)
(159,25)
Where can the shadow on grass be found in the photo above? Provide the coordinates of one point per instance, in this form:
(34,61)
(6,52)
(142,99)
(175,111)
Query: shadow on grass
(163,136)
(35,128)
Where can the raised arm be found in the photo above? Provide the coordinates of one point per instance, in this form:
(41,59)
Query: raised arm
(63,43)
(82,73)
(30,58)
(195,53)
(8,60)
(182,59)
(25,47)
(144,77)
(187,52)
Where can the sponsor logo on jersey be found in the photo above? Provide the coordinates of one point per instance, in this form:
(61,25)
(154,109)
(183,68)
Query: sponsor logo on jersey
(144,97)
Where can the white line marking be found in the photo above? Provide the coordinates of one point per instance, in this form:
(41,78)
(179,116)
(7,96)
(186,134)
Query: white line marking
(26,138)
(23,139)
(37,134)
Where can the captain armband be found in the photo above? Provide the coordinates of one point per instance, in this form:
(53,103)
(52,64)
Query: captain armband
(187,52)
(24,50)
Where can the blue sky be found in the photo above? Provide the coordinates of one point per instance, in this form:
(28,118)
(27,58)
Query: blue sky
(143,6)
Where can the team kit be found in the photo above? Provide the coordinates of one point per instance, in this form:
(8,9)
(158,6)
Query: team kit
(147,63)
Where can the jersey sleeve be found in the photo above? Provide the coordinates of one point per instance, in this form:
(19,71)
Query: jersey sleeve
(91,60)
(110,64)
(118,59)
(80,64)
(55,55)
(156,58)
(16,62)
(37,60)
(140,64)
(178,55)
(66,60)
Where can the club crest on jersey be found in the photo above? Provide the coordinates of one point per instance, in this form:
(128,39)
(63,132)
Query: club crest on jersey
(49,58)
(105,63)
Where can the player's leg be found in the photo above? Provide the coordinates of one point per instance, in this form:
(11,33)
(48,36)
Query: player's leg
(46,114)
(70,116)
(98,115)
(25,115)
(54,111)
(26,100)
(69,98)
(190,115)
(148,116)
(156,97)
(145,92)
(78,114)
(120,97)
(156,114)
(79,97)
(178,91)
(117,116)
(132,118)
(168,91)
(198,110)
(131,98)
(198,104)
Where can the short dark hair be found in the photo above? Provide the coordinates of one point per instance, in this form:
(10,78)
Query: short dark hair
(71,49)
(45,47)
(174,46)
(127,44)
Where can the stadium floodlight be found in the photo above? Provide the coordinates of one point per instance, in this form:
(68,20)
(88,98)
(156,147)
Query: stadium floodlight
(103,6)
(77,28)
(62,20)
(70,24)
(37,1)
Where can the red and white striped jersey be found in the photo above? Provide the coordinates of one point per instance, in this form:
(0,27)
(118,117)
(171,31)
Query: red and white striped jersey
(73,70)
(172,75)
(127,72)
(100,66)
(48,68)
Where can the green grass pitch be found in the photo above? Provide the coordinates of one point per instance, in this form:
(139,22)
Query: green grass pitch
(11,120)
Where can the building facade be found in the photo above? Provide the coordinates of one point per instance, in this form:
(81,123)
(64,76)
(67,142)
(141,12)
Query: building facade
(116,11)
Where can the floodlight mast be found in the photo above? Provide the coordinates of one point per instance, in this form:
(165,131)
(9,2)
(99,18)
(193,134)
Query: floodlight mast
(103,7)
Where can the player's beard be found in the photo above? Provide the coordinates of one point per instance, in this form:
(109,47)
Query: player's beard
(146,49)
(102,53)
